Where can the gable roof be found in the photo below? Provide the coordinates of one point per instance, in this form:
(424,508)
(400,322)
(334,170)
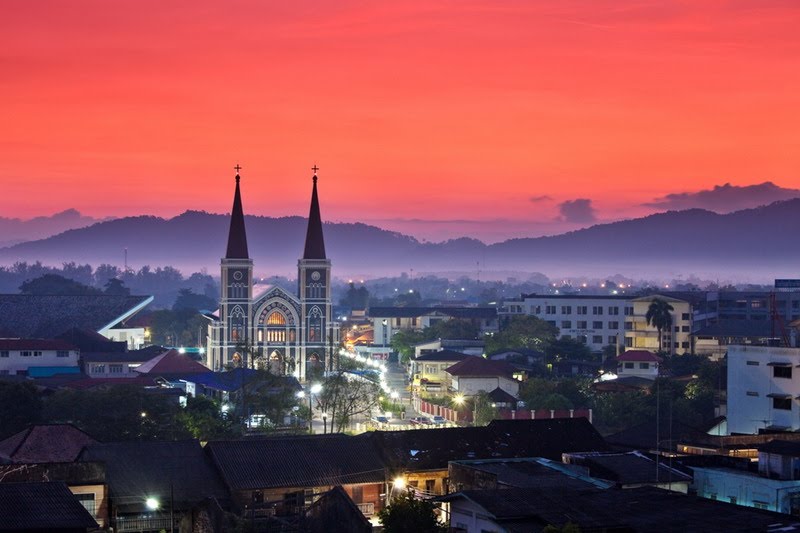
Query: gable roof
(628,468)
(233,380)
(46,443)
(133,356)
(36,344)
(431,449)
(47,316)
(142,469)
(443,355)
(475,366)
(639,355)
(41,506)
(297,461)
(171,362)
(498,395)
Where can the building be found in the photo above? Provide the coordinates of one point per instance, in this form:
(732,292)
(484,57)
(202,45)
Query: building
(429,371)
(388,320)
(476,374)
(115,364)
(640,335)
(640,509)
(713,340)
(763,387)
(638,363)
(628,470)
(43,357)
(466,346)
(42,507)
(45,443)
(48,316)
(289,333)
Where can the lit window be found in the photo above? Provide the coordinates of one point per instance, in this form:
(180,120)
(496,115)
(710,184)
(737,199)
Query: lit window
(276,319)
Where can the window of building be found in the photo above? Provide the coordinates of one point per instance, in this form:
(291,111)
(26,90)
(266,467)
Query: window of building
(597,310)
(629,342)
(685,345)
(782,372)
(597,339)
(757,304)
(628,311)
(62,353)
(566,309)
(685,329)
(613,325)
(89,502)
(613,310)
(581,324)
(397,321)
(550,310)
(566,324)
(628,365)
(276,319)
(414,321)
(358,494)
(4,372)
(628,325)
(752,363)
(430,486)
(260,335)
(685,316)
(760,505)
(752,393)
(37,353)
(677,329)
(551,322)
(784,404)
(4,353)
(597,324)
(583,310)
(115,369)
(582,339)
(644,366)
(612,339)
(25,353)
(98,369)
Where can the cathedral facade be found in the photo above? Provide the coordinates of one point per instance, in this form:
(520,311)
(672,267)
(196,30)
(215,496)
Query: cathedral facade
(288,334)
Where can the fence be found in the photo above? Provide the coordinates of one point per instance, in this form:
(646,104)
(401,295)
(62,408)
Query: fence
(451,415)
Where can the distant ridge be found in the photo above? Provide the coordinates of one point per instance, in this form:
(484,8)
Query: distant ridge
(762,241)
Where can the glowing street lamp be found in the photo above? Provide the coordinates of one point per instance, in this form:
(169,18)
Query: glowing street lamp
(151,504)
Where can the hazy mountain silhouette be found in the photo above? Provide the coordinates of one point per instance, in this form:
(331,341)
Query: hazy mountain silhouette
(15,230)
(748,244)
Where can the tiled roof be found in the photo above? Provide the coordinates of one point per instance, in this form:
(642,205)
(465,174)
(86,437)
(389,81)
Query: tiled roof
(645,435)
(90,341)
(48,316)
(781,447)
(479,367)
(454,312)
(498,395)
(139,470)
(171,362)
(442,355)
(639,355)
(629,468)
(297,461)
(427,449)
(47,443)
(232,380)
(133,356)
(35,344)
(41,507)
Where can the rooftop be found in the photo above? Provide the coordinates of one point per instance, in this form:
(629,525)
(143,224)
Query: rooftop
(46,443)
(23,506)
(413,312)
(443,355)
(639,355)
(478,367)
(47,316)
(35,344)
(171,362)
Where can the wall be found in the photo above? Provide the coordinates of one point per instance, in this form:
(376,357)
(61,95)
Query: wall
(15,363)
(743,488)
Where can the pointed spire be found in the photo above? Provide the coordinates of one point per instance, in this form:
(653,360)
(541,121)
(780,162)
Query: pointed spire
(237,236)
(315,243)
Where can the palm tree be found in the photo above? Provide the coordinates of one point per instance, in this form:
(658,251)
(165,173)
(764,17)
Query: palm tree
(658,315)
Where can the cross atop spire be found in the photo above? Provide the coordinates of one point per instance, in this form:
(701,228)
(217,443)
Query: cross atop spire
(315,168)
(237,168)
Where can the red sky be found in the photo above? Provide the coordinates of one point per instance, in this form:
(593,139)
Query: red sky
(440,111)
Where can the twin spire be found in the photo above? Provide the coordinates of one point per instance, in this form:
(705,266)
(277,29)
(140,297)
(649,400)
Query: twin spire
(237,235)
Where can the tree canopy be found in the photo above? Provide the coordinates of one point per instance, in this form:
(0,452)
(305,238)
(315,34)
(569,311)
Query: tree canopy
(523,332)
(407,513)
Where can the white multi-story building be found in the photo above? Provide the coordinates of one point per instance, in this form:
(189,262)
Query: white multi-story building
(763,386)
(19,356)
(388,320)
(599,321)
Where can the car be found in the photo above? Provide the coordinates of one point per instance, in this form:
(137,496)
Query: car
(439,420)
(421,421)
(380,420)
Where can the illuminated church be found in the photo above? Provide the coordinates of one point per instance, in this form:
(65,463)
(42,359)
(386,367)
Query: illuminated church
(289,334)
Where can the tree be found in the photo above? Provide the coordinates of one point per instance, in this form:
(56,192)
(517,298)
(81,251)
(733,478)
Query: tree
(204,419)
(523,332)
(55,284)
(117,287)
(569,349)
(20,406)
(403,342)
(355,298)
(658,315)
(451,329)
(188,300)
(483,409)
(407,513)
(345,395)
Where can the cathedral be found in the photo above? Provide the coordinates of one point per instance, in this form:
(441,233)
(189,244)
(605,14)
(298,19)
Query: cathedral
(288,334)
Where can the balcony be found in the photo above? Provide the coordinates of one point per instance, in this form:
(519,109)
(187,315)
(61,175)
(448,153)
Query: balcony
(155,523)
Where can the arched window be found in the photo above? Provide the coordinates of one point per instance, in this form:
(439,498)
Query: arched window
(276,319)
(315,326)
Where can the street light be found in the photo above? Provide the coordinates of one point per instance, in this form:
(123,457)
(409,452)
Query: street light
(151,504)
(316,388)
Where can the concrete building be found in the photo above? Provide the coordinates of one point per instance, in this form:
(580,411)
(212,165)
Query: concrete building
(763,386)
(639,335)
(638,363)
(22,357)
(387,320)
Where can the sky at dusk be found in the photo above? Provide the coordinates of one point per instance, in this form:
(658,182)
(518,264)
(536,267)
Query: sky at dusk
(482,118)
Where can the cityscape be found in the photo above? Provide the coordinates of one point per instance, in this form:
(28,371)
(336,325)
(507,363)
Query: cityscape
(400,267)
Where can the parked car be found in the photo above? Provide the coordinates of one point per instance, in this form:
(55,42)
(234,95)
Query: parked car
(439,420)
(421,421)
(380,420)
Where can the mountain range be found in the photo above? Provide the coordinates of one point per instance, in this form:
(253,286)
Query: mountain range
(750,244)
